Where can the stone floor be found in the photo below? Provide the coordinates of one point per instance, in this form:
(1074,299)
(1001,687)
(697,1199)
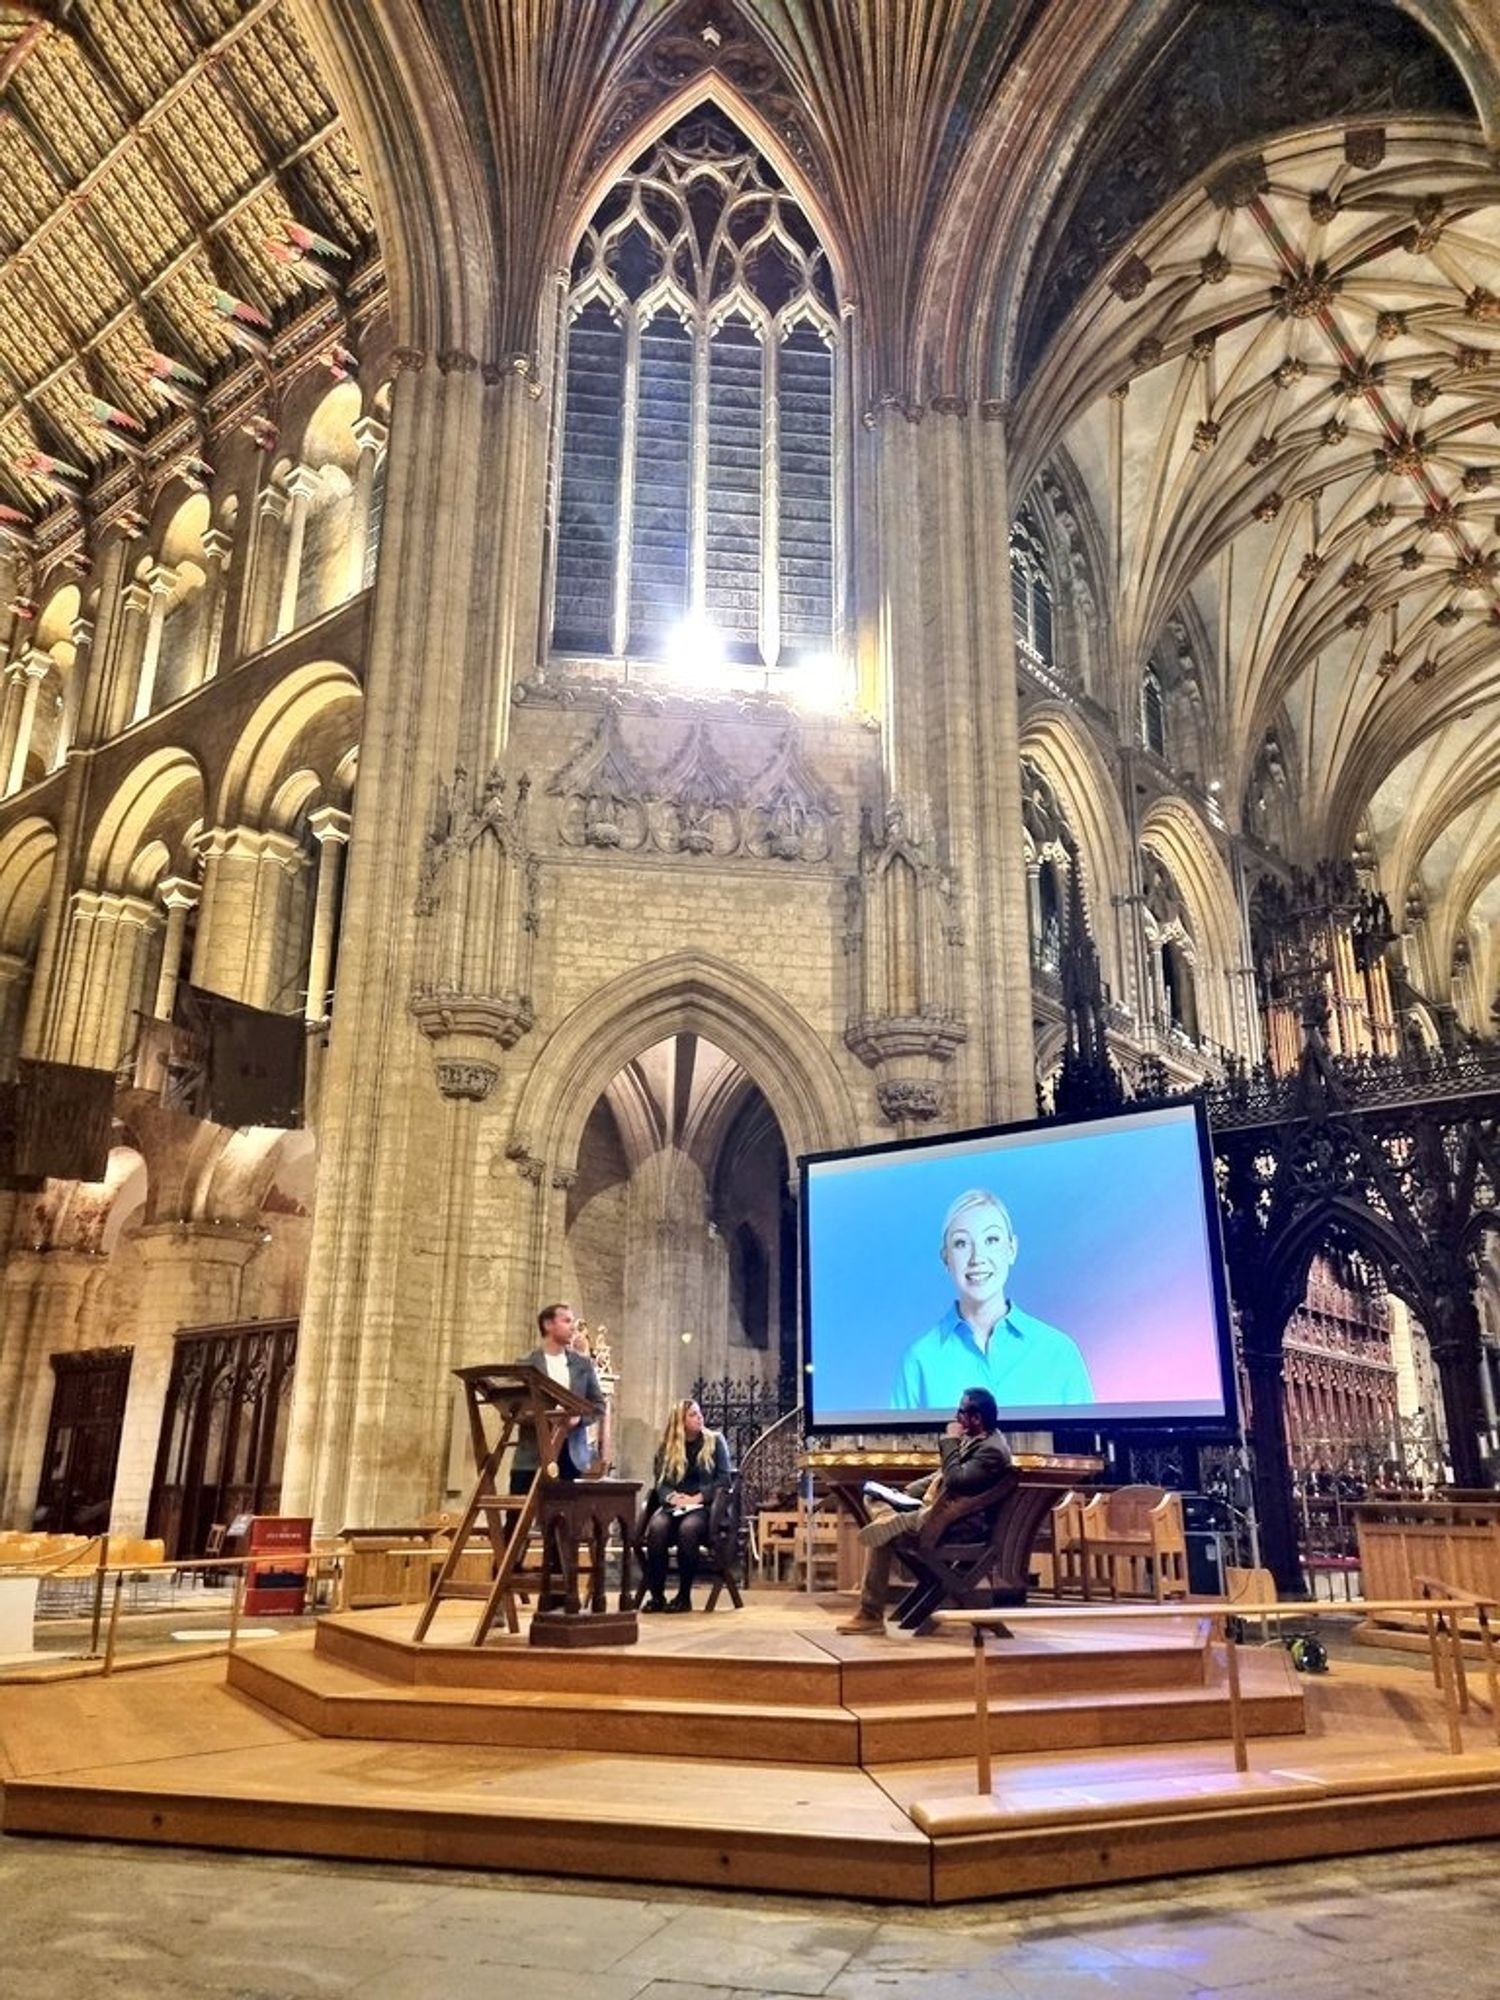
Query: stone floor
(115,1923)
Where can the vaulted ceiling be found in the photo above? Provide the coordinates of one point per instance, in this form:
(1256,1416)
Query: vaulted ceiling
(175,186)
(1284,403)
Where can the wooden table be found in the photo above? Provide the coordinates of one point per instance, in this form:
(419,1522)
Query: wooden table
(577,1514)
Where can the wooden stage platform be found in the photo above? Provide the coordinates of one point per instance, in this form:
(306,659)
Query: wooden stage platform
(756,1749)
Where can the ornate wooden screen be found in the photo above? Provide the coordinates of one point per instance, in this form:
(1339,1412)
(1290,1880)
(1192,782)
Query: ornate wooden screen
(83,1441)
(223,1432)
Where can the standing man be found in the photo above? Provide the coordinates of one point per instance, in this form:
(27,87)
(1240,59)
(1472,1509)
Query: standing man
(570,1370)
(974,1456)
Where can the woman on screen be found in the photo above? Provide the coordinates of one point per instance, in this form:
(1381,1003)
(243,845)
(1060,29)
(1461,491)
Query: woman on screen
(983,1338)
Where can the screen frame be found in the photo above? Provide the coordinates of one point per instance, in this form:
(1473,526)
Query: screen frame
(1075,1422)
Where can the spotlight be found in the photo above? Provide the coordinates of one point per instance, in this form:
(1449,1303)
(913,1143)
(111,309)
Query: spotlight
(695,649)
(818,681)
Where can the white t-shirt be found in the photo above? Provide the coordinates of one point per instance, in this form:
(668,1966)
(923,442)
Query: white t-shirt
(557,1366)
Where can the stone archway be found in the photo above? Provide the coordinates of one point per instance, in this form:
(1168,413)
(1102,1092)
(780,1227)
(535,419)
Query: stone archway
(678,1244)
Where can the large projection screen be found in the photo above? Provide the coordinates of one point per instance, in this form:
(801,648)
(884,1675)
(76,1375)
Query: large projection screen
(1075,1270)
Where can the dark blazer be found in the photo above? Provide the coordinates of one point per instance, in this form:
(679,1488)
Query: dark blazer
(583,1380)
(699,1478)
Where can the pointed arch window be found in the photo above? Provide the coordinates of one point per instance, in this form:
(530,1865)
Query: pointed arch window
(1031,591)
(700,383)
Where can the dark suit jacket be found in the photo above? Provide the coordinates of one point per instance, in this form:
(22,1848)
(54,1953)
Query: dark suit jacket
(583,1380)
(970,1465)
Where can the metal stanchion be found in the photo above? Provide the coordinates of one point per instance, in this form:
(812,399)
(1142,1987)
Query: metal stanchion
(99,1574)
(114,1620)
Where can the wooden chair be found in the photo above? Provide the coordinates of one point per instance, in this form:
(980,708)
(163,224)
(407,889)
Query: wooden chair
(1067,1549)
(722,1554)
(1134,1536)
(955,1556)
(775,1541)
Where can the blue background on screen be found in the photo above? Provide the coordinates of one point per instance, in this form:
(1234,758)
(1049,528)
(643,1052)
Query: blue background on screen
(1112,1248)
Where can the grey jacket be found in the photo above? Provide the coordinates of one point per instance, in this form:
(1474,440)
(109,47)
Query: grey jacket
(583,1380)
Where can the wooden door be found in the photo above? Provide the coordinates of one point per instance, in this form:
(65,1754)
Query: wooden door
(83,1441)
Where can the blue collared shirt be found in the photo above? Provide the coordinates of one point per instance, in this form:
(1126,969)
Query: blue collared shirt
(1026,1365)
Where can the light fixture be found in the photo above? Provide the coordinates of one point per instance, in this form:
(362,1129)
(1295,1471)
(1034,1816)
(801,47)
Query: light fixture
(695,649)
(818,682)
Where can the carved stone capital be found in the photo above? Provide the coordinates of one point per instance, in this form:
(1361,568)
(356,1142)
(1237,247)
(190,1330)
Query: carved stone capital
(453,361)
(409,360)
(465,1081)
(877,1039)
(909,1100)
(498,1018)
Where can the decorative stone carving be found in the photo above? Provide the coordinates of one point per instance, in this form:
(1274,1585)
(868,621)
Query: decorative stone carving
(1214,268)
(698,802)
(696,41)
(697,797)
(603,792)
(1131,279)
(791,814)
(1205,436)
(1305,294)
(1268,508)
(1364,146)
(466,1082)
(902,947)
(477,902)
(907,1101)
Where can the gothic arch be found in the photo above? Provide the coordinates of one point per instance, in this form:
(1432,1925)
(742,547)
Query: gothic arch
(717,90)
(1071,761)
(1173,831)
(688,993)
(258,761)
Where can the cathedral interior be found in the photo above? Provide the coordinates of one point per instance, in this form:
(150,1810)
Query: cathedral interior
(675,584)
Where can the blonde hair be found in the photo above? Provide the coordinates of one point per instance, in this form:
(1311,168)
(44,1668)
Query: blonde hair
(975,1198)
(672,1453)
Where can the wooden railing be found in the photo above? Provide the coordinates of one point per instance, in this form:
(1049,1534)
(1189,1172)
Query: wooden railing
(1442,1615)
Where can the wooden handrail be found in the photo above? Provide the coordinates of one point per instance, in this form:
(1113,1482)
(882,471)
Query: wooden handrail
(1218,1614)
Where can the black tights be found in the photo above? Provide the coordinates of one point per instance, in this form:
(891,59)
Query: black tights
(662,1530)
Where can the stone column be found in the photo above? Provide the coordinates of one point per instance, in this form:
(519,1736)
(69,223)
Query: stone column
(382,1321)
(42,1308)
(161,582)
(100,983)
(136,601)
(10,715)
(193,1274)
(81,631)
(257,606)
(15,979)
(370,435)
(217,547)
(179,896)
(301,485)
(244,873)
(104,701)
(34,669)
(330,829)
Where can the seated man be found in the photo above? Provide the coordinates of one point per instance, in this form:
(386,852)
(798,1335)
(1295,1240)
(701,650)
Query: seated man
(975,1456)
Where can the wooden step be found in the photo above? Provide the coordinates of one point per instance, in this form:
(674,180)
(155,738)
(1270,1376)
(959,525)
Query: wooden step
(338,1702)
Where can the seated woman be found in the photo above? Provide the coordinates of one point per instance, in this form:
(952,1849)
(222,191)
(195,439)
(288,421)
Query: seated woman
(692,1463)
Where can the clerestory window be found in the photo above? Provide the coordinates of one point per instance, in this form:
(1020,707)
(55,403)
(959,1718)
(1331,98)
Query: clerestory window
(696,490)
(1030,591)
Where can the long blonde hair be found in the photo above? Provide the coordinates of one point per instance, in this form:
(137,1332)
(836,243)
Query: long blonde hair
(672,1452)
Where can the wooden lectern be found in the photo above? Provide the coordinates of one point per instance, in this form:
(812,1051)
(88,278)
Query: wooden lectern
(566,1511)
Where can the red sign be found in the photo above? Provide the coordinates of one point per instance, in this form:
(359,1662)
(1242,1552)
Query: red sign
(276,1589)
